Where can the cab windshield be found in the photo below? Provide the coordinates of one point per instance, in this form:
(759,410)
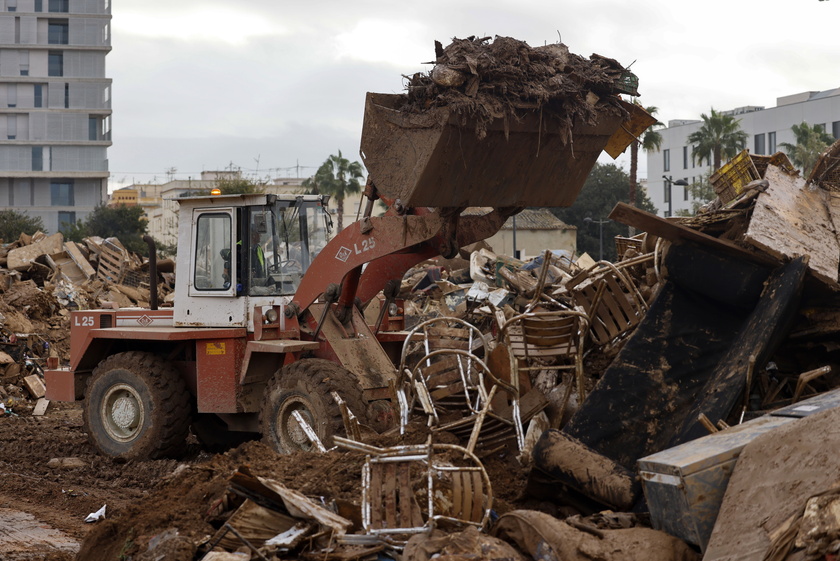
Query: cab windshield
(284,239)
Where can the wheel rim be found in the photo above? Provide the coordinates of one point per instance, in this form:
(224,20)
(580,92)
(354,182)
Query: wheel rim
(122,413)
(288,429)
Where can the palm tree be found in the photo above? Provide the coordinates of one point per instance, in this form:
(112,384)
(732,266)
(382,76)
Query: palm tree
(650,142)
(337,177)
(719,136)
(810,143)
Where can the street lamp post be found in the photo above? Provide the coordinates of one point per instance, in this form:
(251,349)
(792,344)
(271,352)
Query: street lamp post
(600,224)
(669,181)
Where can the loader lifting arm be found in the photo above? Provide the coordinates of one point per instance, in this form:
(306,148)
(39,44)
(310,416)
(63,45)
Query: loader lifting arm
(390,245)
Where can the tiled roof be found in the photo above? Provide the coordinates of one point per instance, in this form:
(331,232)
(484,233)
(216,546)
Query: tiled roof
(528,219)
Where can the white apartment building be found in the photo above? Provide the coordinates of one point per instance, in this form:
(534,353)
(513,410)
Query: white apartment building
(55,107)
(766,127)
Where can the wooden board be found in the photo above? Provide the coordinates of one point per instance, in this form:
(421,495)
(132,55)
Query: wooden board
(775,475)
(78,257)
(676,232)
(793,219)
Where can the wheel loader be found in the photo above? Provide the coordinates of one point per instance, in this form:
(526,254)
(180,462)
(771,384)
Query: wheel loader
(266,326)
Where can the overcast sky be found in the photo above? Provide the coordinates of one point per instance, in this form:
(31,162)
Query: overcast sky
(268,85)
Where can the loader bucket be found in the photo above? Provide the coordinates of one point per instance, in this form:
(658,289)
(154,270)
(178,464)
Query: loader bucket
(435,159)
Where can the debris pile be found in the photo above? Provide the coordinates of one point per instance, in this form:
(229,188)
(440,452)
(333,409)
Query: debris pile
(496,79)
(541,403)
(43,278)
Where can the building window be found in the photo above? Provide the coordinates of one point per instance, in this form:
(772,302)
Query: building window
(93,128)
(61,193)
(39,95)
(820,127)
(666,159)
(11,5)
(11,95)
(771,142)
(759,144)
(66,219)
(685,157)
(59,5)
(667,191)
(58,32)
(56,64)
(37,158)
(67,96)
(23,57)
(685,190)
(835,129)
(39,5)
(11,127)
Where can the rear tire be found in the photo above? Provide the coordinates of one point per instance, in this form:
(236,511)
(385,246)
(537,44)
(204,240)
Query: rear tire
(137,406)
(305,386)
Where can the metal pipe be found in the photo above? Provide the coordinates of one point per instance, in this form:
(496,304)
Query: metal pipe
(153,292)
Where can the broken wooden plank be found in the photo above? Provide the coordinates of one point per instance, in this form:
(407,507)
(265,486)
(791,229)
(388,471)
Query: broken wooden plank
(64,265)
(35,385)
(675,232)
(792,219)
(41,407)
(75,253)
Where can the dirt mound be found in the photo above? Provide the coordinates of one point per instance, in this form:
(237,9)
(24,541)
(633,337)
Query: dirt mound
(182,500)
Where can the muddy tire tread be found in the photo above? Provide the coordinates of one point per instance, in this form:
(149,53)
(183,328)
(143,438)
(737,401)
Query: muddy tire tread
(316,377)
(169,392)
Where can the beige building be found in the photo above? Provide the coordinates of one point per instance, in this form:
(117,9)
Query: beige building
(535,231)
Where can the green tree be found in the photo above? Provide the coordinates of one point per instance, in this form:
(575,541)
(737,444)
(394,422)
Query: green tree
(14,223)
(701,192)
(811,141)
(337,177)
(239,185)
(720,136)
(605,186)
(651,142)
(126,223)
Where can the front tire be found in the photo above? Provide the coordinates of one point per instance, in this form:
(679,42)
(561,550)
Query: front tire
(305,386)
(137,407)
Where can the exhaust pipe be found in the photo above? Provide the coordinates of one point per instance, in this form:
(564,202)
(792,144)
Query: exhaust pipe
(153,293)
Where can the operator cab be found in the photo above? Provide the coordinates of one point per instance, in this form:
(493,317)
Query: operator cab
(245,250)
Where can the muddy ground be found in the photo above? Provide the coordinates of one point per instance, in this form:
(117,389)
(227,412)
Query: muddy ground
(146,498)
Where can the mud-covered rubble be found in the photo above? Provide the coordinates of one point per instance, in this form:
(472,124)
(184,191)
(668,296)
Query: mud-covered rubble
(691,383)
(42,279)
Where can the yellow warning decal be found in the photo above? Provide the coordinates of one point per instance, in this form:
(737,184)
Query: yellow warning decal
(215,348)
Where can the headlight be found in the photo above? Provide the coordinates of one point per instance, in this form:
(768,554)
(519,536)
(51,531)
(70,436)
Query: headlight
(271,315)
(393,310)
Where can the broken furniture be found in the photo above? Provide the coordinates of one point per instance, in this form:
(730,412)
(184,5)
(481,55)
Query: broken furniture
(433,334)
(452,481)
(547,340)
(684,485)
(450,385)
(610,299)
(775,475)
(689,355)
(442,333)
